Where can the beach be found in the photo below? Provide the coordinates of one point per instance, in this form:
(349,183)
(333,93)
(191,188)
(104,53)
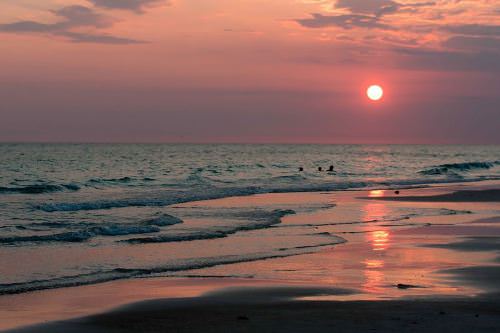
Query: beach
(435,270)
(249,166)
(230,312)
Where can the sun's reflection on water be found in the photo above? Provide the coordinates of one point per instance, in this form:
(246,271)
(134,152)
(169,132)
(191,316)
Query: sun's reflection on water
(374,275)
(379,240)
(376,193)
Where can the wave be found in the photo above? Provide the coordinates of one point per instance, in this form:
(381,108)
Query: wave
(121,230)
(82,235)
(90,230)
(297,177)
(185,237)
(460,167)
(271,219)
(163,220)
(122,181)
(39,189)
(159,219)
(111,180)
(71,237)
(167,197)
(177,197)
(185,265)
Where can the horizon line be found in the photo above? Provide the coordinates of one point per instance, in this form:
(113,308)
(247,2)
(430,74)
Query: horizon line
(76,142)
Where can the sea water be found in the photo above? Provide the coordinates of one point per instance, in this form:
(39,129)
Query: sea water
(75,214)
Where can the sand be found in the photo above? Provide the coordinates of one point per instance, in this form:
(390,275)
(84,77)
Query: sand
(275,310)
(489,195)
(435,274)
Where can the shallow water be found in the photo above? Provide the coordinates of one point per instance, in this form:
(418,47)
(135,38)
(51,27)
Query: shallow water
(78,214)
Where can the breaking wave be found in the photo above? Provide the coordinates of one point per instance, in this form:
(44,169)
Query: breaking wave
(163,220)
(39,189)
(444,169)
(111,180)
(184,237)
(90,230)
(82,235)
(168,197)
(271,219)
(184,265)
(73,236)
(255,220)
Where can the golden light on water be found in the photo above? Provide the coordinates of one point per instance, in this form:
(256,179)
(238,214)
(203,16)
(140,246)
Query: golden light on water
(376,193)
(379,240)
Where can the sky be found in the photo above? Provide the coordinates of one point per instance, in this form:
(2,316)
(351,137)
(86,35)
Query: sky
(257,71)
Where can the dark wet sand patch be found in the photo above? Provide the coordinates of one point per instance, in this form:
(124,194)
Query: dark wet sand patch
(486,277)
(249,310)
(453,230)
(490,195)
(472,244)
(488,220)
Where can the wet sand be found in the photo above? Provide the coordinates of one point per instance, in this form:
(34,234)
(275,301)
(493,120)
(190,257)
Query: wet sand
(488,195)
(272,310)
(422,274)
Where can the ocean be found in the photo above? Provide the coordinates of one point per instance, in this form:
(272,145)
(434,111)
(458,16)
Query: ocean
(73,214)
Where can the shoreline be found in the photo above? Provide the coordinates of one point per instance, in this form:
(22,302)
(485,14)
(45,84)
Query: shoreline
(277,309)
(323,296)
(486,195)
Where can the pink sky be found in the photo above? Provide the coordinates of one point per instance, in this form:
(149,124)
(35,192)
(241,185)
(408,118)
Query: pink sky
(250,71)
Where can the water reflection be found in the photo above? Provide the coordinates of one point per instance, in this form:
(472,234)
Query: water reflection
(374,212)
(374,276)
(379,240)
(374,263)
(376,193)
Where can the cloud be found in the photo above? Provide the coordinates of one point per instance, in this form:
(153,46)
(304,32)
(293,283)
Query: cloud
(347,21)
(363,6)
(71,17)
(423,59)
(401,41)
(26,26)
(137,6)
(473,43)
(363,14)
(99,39)
(378,7)
(473,29)
(78,16)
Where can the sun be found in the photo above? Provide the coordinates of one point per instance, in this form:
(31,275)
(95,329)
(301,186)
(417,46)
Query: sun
(374,92)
